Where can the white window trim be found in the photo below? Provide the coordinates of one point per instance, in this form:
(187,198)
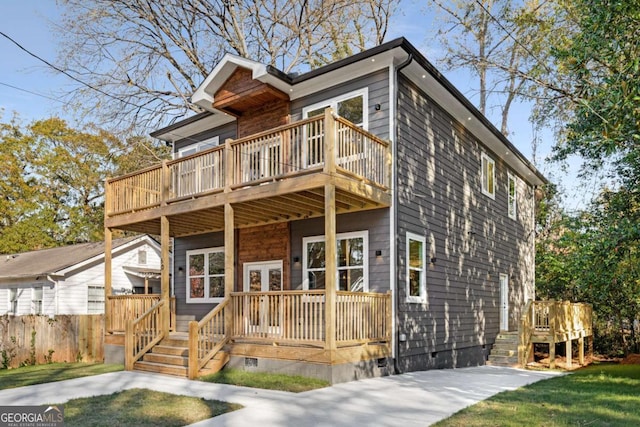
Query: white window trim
(103,297)
(199,145)
(512,205)
(341,236)
(485,191)
(247,266)
(33,300)
(422,298)
(333,103)
(205,252)
(9,311)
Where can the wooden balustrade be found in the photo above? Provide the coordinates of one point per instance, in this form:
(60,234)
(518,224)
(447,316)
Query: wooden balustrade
(282,152)
(298,317)
(129,307)
(207,337)
(142,333)
(361,153)
(551,322)
(135,191)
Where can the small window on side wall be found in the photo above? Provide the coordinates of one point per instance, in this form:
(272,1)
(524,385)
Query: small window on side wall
(512,193)
(416,271)
(488,176)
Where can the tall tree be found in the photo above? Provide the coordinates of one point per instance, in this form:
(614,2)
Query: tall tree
(52,181)
(142,59)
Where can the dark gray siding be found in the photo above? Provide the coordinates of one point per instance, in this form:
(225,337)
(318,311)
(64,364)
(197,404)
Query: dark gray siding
(378,88)
(222,132)
(180,247)
(376,222)
(469,234)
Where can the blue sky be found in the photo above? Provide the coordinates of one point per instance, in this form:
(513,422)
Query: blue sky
(28,22)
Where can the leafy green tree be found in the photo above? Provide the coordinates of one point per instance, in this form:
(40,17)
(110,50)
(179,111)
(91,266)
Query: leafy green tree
(52,181)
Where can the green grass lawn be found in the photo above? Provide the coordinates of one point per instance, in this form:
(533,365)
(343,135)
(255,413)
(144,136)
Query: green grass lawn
(39,374)
(292,383)
(141,408)
(598,395)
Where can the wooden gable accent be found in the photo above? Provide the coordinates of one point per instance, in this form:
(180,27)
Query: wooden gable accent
(241,93)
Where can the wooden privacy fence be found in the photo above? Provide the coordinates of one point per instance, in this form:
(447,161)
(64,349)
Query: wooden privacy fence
(71,337)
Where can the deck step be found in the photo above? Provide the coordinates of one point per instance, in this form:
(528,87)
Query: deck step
(160,368)
(166,359)
(168,349)
(504,351)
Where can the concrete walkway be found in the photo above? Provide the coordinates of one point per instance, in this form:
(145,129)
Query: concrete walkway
(414,399)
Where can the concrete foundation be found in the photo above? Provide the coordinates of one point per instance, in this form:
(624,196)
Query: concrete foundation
(114,354)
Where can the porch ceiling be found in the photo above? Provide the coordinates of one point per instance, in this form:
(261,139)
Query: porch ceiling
(303,204)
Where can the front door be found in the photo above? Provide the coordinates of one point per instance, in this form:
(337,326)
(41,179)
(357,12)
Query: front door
(504,302)
(263,310)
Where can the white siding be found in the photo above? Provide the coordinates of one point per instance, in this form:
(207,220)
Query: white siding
(73,290)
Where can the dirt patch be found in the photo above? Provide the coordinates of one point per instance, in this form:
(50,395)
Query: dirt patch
(632,359)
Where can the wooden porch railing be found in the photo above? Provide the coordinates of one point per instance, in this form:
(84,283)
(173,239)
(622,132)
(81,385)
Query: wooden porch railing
(552,321)
(285,151)
(298,317)
(206,338)
(142,334)
(129,307)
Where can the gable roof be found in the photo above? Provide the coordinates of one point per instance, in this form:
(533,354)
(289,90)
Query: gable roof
(415,66)
(55,261)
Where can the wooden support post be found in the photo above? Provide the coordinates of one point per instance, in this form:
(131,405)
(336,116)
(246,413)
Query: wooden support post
(229,265)
(581,350)
(165,181)
(193,350)
(331,268)
(229,167)
(329,142)
(552,354)
(568,354)
(108,246)
(164,274)
(128,345)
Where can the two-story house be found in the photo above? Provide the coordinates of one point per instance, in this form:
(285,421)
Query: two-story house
(359,219)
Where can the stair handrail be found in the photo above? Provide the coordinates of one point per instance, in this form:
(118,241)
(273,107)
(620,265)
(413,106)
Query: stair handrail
(525,333)
(142,334)
(207,337)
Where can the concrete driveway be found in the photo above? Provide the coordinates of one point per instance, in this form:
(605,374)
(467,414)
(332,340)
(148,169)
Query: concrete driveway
(413,399)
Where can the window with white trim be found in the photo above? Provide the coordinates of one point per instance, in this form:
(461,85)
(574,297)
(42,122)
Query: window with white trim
(199,146)
(142,257)
(205,275)
(488,176)
(13,301)
(95,299)
(512,196)
(36,300)
(351,106)
(416,272)
(352,262)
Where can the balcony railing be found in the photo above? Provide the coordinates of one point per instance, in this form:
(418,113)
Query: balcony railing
(282,152)
(123,308)
(298,317)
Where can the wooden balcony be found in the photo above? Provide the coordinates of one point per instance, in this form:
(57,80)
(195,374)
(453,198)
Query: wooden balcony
(554,322)
(277,175)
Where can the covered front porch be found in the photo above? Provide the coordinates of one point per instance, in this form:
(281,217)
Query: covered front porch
(316,168)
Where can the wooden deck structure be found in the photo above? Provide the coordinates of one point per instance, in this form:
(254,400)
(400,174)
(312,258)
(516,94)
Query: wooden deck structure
(318,167)
(554,322)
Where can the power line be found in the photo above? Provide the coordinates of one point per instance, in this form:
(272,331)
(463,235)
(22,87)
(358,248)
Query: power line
(60,70)
(32,93)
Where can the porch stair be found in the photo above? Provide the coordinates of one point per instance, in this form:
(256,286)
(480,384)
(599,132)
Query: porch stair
(171,357)
(504,351)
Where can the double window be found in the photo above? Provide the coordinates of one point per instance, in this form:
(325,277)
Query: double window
(205,275)
(416,288)
(352,262)
(488,176)
(199,173)
(351,106)
(198,147)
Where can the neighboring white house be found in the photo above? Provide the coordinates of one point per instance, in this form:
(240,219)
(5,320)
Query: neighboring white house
(70,279)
